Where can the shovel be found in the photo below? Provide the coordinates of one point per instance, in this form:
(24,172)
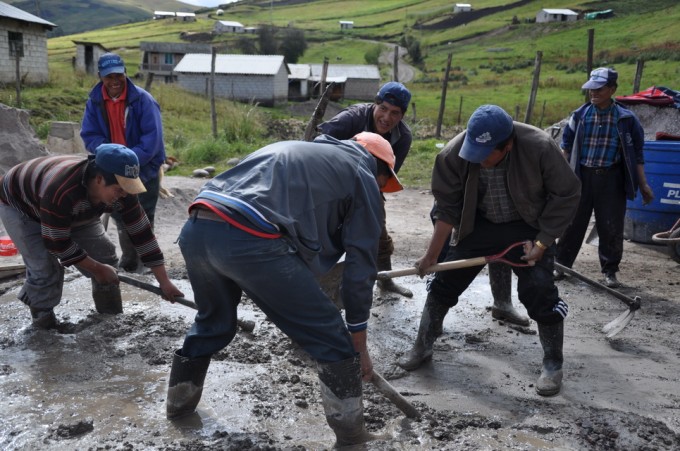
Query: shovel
(246,325)
(621,321)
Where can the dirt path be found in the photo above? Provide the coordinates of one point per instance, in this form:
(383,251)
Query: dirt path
(99,381)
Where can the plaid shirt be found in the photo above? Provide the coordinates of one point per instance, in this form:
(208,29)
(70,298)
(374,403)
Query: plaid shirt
(600,147)
(495,203)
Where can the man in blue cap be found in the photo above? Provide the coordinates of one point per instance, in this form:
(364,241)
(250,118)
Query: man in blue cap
(120,112)
(51,208)
(497,183)
(384,117)
(603,142)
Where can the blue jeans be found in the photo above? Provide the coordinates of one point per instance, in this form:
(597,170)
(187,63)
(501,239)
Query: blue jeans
(223,261)
(535,285)
(44,282)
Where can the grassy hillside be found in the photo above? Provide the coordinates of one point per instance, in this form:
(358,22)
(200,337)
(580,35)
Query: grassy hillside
(493,59)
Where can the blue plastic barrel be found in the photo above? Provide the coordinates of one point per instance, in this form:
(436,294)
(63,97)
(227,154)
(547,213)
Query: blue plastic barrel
(662,167)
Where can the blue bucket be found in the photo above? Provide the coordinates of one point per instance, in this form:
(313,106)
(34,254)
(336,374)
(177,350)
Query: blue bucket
(662,168)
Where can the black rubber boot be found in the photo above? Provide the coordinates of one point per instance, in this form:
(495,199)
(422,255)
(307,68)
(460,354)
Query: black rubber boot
(552,338)
(390,285)
(43,318)
(500,279)
(341,395)
(431,327)
(186,384)
(129,260)
(107,298)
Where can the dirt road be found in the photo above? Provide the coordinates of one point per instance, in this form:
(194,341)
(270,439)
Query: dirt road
(99,381)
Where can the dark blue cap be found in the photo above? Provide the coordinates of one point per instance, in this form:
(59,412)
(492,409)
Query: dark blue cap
(395,93)
(110,63)
(488,126)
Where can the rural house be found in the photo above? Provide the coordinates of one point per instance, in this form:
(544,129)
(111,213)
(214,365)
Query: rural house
(23,41)
(158,15)
(346,24)
(246,78)
(227,26)
(160,58)
(462,8)
(360,81)
(87,56)
(298,82)
(185,17)
(556,15)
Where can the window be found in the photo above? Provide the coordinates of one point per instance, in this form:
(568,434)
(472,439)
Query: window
(16,43)
(169,58)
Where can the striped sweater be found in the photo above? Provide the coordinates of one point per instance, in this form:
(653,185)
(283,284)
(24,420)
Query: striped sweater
(53,191)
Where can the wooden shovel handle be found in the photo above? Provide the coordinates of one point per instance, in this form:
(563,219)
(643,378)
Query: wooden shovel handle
(393,395)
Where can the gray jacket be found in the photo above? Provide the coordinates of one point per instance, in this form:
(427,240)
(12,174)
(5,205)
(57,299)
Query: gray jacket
(541,184)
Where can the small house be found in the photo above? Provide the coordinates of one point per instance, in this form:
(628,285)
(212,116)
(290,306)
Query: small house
(160,58)
(246,78)
(87,56)
(23,41)
(185,17)
(462,7)
(227,26)
(159,15)
(556,15)
(352,81)
(298,82)
(346,24)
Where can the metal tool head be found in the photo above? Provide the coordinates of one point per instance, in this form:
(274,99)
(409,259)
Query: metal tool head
(620,322)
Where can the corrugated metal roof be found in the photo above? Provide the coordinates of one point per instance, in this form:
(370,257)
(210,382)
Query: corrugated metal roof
(230,23)
(347,70)
(299,71)
(17,14)
(566,12)
(199,63)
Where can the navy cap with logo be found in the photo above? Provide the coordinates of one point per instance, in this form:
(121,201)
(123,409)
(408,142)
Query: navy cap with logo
(600,77)
(121,162)
(395,93)
(488,127)
(110,63)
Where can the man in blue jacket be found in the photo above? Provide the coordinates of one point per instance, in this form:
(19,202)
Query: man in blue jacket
(267,227)
(603,143)
(119,112)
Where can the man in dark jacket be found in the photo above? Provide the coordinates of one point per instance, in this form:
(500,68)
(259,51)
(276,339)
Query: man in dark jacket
(267,227)
(603,143)
(498,183)
(386,118)
(120,112)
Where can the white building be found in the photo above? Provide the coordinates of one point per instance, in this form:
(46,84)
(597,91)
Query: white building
(352,81)
(246,78)
(227,26)
(556,15)
(462,7)
(346,24)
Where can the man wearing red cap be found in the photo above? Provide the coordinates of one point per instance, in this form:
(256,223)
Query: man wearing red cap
(386,118)
(267,227)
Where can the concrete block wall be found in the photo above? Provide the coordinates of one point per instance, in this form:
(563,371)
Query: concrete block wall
(33,65)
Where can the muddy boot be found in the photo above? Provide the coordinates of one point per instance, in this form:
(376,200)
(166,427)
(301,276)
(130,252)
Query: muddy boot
(341,395)
(129,260)
(43,318)
(431,326)
(500,278)
(186,384)
(107,298)
(390,285)
(552,337)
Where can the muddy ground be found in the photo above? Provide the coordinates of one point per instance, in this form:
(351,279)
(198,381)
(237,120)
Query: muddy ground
(99,381)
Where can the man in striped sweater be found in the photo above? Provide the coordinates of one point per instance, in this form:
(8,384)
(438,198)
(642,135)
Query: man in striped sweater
(51,208)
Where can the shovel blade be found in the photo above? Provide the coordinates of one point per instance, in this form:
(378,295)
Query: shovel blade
(618,324)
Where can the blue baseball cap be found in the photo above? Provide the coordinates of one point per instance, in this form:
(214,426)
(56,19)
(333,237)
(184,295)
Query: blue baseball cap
(121,162)
(600,77)
(395,93)
(488,126)
(110,63)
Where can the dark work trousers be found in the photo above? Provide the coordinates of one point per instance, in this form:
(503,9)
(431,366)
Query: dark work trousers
(535,287)
(385,244)
(147,200)
(602,191)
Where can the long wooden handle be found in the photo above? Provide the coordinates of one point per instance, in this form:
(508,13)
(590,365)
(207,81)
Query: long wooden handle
(477,261)
(244,324)
(393,395)
(634,304)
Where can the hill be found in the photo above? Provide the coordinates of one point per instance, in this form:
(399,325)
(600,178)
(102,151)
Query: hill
(84,15)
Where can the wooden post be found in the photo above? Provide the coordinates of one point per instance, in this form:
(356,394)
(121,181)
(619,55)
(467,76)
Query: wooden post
(317,115)
(534,87)
(442,103)
(460,110)
(540,123)
(149,80)
(324,74)
(589,60)
(516,113)
(395,68)
(213,112)
(638,75)
(18,75)
(413,110)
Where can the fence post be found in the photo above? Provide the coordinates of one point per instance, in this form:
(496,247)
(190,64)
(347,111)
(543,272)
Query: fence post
(213,112)
(638,75)
(396,63)
(442,103)
(534,87)
(460,110)
(589,60)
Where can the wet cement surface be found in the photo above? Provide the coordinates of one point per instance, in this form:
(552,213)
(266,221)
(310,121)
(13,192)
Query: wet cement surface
(99,381)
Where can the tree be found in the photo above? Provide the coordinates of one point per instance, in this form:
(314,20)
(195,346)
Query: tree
(266,37)
(293,45)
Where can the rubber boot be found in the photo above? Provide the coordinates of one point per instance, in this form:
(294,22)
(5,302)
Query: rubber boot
(389,284)
(129,260)
(43,318)
(431,327)
(552,338)
(186,384)
(500,279)
(107,298)
(341,395)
